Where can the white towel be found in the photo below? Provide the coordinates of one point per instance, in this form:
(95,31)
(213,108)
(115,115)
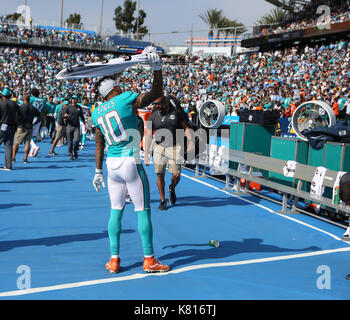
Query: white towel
(100,69)
(289,169)
(317,188)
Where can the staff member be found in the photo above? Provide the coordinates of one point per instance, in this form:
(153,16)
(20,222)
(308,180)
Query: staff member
(9,115)
(25,127)
(73,115)
(165,120)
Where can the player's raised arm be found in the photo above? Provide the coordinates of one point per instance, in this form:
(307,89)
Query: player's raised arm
(145,99)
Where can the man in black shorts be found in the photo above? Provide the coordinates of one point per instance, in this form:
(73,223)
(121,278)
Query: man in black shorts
(165,120)
(9,116)
(25,127)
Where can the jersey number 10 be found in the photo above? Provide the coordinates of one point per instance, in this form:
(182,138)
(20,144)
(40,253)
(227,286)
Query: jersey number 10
(112,127)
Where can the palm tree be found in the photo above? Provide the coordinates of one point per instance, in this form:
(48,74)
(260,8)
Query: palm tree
(212,18)
(231,27)
(276,16)
(237,28)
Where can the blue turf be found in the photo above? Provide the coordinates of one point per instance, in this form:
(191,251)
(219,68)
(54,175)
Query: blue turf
(52,220)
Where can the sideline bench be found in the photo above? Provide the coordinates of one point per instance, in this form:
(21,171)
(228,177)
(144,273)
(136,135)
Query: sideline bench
(302,174)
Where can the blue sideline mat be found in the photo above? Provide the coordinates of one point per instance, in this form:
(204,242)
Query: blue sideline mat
(53,227)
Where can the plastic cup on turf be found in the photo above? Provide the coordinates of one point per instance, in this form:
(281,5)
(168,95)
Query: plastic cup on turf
(214,243)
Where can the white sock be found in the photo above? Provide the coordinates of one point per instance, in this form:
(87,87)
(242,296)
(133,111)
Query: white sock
(148,256)
(115,256)
(347,232)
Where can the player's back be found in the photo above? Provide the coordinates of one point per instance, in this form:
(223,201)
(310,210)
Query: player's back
(119,125)
(38,103)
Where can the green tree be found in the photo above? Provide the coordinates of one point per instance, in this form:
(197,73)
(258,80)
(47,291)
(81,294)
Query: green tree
(13,16)
(218,22)
(236,28)
(212,18)
(276,16)
(139,21)
(73,19)
(126,21)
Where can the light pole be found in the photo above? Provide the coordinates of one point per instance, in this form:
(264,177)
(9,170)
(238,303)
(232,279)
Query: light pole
(25,11)
(101,16)
(61,13)
(138,20)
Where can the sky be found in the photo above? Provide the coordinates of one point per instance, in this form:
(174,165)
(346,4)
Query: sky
(163,16)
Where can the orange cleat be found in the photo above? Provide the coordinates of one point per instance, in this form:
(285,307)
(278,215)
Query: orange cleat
(113,265)
(154,265)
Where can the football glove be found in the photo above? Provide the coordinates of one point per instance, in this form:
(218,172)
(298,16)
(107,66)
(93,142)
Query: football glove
(98,180)
(154,61)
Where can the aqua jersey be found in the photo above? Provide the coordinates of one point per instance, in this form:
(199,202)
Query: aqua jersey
(38,103)
(50,108)
(119,125)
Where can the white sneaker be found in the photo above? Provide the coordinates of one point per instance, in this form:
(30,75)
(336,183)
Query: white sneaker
(5,169)
(36,150)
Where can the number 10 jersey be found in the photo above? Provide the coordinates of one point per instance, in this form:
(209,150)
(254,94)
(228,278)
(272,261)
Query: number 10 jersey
(119,125)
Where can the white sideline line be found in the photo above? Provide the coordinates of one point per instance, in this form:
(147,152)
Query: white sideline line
(265,208)
(188,268)
(175,271)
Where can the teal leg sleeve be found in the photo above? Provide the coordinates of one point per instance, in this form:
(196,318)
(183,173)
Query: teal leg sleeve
(114,229)
(83,138)
(146,231)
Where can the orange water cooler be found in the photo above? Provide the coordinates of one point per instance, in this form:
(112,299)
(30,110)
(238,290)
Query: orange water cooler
(144,114)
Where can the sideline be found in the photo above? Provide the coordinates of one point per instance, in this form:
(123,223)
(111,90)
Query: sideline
(265,208)
(175,271)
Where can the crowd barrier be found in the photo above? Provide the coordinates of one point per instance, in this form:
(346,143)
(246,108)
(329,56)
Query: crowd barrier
(57,44)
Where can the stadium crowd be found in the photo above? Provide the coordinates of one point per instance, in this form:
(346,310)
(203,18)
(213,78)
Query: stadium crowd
(308,18)
(279,80)
(46,34)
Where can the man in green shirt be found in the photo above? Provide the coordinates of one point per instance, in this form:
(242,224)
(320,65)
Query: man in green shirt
(50,119)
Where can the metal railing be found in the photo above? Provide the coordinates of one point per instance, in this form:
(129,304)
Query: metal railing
(59,44)
(302,174)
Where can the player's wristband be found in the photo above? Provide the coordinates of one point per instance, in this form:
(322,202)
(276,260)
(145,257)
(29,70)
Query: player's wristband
(98,171)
